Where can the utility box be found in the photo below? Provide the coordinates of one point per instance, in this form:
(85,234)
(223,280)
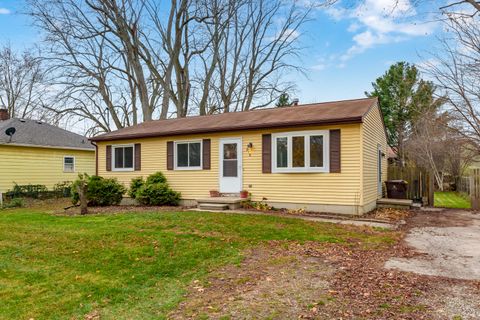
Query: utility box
(396,189)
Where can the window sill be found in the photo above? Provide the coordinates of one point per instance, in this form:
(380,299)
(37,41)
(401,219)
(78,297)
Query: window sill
(188,168)
(300,170)
(123,170)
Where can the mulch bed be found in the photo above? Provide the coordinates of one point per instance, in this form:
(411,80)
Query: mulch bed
(119,209)
(389,215)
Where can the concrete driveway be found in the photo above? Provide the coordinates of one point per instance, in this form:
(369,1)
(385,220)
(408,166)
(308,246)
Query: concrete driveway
(449,241)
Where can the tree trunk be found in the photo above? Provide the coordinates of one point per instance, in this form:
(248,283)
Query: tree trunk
(82,193)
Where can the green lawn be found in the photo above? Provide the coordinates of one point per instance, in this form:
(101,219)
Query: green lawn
(131,266)
(449,199)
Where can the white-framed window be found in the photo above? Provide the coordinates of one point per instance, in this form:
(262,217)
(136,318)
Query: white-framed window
(68,164)
(300,151)
(188,155)
(123,157)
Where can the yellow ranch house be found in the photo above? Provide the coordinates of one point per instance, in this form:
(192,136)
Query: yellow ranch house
(33,152)
(328,157)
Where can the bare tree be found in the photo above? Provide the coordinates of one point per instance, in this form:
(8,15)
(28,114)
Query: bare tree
(252,50)
(455,8)
(428,143)
(91,48)
(22,83)
(456,70)
(117,63)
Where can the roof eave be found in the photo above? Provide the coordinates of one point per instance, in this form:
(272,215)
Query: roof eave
(106,137)
(13,144)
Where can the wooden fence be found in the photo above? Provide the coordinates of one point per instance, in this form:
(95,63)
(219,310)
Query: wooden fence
(475,188)
(420,185)
(463,185)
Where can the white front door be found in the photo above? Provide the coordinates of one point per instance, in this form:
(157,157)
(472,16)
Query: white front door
(230,165)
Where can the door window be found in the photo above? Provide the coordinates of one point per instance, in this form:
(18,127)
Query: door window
(230,160)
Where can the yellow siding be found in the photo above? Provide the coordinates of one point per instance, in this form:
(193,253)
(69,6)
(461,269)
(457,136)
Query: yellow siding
(29,165)
(373,136)
(318,188)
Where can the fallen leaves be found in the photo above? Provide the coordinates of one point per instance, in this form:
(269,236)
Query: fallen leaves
(362,288)
(390,214)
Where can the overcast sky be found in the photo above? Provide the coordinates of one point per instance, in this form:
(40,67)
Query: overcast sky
(347,46)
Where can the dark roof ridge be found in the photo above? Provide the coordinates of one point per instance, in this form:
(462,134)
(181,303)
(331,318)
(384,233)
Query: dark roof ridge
(258,110)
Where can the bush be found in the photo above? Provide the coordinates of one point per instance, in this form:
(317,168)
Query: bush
(40,191)
(156,192)
(63,189)
(14,203)
(157,177)
(100,191)
(135,184)
(28,191)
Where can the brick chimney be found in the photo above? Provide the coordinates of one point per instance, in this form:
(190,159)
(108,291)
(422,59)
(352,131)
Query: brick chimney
(4,114)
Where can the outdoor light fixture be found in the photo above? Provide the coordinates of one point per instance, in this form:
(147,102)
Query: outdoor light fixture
(250,149)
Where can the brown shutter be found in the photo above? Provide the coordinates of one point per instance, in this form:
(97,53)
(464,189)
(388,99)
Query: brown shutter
(335,156)
(267,153)
(138,156)
(169,155)
(108,157)
(206,154)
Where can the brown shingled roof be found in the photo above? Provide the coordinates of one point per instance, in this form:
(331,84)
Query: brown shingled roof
(347,111)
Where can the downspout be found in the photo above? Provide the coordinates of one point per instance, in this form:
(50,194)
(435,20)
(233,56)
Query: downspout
(96,157)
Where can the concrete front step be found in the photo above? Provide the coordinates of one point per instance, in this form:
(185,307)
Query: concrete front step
(230,202)
(394,203)
(213,206)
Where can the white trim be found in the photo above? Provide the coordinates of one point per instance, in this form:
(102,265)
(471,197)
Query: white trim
(306,135)
(45,147)
(115,146)
(175,157)
(379,171)
(239,142)
(74,164)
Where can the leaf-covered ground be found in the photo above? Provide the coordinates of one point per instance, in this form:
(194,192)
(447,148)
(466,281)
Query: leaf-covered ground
(134,265)
(313,280)
(195,265)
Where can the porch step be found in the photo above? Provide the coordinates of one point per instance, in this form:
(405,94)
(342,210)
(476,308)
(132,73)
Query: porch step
(213,206)
(394,203)
(215,203)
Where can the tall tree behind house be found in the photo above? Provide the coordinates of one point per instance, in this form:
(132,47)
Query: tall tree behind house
(403,97)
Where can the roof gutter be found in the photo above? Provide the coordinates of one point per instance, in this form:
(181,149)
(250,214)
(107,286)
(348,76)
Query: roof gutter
(107,137)
(45,147)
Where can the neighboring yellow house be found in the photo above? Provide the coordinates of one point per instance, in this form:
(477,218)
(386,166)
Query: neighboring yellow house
(327,157)
(33,152)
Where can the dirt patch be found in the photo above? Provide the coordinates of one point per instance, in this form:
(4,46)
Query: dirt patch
(310,281)
(442,218)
